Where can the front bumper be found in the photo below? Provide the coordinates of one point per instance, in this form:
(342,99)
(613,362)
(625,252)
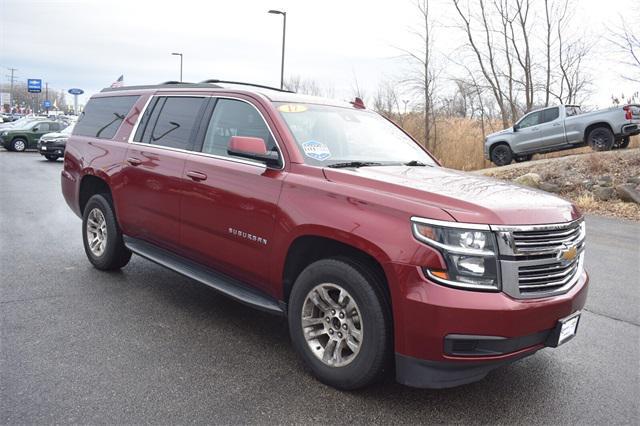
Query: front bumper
(432,322)
(51,149)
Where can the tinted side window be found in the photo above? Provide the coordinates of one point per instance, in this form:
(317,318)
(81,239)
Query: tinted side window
(42,127)
(530,120)
(102,117)
(551,114)
(172,122)
(234,118)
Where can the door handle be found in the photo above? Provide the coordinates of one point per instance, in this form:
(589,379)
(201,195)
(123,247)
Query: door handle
(556,124)
(134,161)
(197,176)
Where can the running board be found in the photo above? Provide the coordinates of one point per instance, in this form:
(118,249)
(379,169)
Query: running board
(224,284)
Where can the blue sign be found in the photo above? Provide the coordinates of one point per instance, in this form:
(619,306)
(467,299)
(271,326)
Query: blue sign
(34,85)
(46,104)
(76,91)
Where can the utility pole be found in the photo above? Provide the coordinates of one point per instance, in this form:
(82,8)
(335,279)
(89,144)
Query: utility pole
(284,37)
(46,96)
(13,70)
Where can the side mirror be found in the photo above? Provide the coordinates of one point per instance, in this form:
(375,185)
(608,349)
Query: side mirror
(515,127)
(253,149)
(35,129)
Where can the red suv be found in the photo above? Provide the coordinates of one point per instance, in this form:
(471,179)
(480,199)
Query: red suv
(333,216)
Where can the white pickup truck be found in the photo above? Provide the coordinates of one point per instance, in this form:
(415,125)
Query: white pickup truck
(563,127)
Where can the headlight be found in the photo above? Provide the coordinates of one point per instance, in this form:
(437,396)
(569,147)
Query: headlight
(4,133)
(469,251)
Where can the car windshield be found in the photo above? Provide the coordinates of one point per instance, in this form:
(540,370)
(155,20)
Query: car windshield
(67,130)
(334,136)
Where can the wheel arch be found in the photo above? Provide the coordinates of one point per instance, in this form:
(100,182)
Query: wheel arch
(308,248)
(496,143)
(91,185)
(596,125)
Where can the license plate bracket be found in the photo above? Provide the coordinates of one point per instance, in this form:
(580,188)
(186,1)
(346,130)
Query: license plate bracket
(565,330)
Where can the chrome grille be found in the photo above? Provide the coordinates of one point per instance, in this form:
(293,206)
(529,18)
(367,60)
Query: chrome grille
(547,277)
(539,260)
(546,240)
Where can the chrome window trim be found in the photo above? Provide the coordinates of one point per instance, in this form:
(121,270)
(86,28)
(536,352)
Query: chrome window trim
(204,154)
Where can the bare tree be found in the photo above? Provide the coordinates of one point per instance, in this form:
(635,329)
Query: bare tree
(387,100)
(306,86)
(628,42)
(422,79)
(486,58)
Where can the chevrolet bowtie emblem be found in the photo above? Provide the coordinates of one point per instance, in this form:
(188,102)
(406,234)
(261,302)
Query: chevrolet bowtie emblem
(568,254)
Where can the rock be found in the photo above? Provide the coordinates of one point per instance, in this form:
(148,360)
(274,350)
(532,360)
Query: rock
(604,180)
(634,179)
(530,179)
(628,192)
(549,187)
(588,183)
(603,193)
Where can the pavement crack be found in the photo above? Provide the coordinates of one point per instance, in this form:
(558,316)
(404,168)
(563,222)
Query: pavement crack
(611,317)
(31,299)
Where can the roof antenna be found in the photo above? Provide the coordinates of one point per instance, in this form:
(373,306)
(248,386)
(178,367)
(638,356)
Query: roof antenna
(358,103)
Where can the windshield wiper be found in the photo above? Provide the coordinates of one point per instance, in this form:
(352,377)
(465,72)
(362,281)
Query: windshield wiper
(355,164)
(415,163)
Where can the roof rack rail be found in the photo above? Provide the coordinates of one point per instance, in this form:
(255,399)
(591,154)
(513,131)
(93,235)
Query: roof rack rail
(166,84)
(215,80)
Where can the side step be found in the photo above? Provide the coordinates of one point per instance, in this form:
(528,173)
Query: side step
(216,280)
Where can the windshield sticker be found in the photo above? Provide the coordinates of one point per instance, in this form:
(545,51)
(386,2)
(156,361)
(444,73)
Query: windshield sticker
(292,108)
(316,150)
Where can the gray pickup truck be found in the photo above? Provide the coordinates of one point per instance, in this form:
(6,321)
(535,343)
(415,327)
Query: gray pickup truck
(563,127)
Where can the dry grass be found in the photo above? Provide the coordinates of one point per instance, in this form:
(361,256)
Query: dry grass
(460,142)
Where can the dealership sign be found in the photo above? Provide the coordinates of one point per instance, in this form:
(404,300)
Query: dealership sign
(76,91)
(34,85)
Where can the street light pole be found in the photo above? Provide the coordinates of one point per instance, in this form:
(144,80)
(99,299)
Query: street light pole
(179,54)
(284,37)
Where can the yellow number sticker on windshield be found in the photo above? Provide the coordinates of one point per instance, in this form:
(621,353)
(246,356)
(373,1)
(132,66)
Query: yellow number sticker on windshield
(292,108)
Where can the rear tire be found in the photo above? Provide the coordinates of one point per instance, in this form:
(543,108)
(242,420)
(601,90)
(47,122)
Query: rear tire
(346,340)
(101,235)
(501,155)
(18,145)
(625,142)
(601,139)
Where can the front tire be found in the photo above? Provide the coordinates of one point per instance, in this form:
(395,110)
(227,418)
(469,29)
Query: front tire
(101,235)
(340,323)
(18,145)
(51,157)
(501,155)
(601,139)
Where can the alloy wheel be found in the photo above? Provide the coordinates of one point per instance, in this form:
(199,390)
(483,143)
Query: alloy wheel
(97,232)
(332,325)
(19,145)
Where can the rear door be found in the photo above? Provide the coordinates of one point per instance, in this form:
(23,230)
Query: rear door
(229,204)
(154,163)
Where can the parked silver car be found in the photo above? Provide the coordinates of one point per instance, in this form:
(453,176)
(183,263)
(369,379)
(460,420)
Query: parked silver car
(563,127)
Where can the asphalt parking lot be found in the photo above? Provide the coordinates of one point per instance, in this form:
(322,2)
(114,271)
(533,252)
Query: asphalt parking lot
(145,345)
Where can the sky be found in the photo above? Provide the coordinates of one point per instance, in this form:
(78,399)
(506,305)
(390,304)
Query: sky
(89,43)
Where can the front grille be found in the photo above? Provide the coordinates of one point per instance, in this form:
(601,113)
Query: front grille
(540,260)
(536,241)
(547,277)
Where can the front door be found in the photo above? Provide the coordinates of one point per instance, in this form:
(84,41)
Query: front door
(229,205)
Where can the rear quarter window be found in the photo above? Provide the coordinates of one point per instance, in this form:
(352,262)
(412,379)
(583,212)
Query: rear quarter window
(102,117)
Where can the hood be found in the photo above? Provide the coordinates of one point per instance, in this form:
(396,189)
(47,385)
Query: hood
(501,132)
(54,135)
(466,197)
